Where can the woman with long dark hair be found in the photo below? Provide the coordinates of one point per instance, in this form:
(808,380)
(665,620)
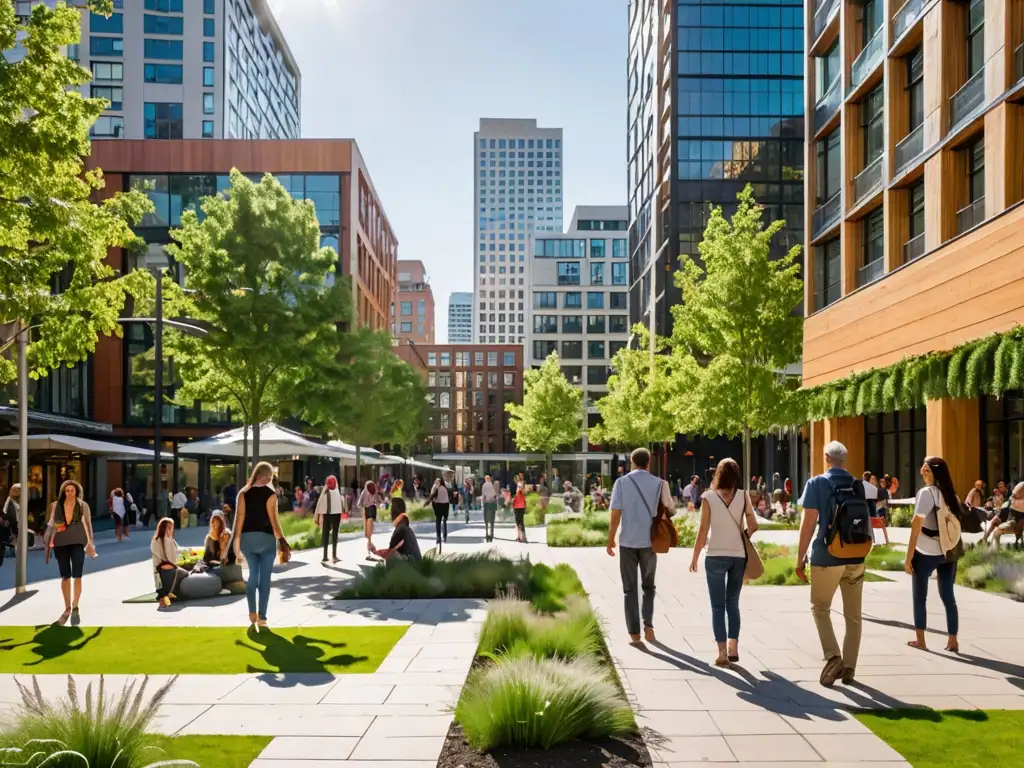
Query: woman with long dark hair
(164,550)
(722,512)
(257,531)
(69,533)
(925,555)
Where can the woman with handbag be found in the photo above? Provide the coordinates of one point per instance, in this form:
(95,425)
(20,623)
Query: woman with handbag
(722,511)
(931,551)
(70,537)
(258,533)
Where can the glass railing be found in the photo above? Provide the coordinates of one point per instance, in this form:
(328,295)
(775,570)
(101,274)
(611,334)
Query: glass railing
(910,148)
(913,248)
(971,96)
(905,17)
(970,216)
(867,60)
(823,15)
(870,272)
(828,214)
(1018,63)
(827,105)
(868,180)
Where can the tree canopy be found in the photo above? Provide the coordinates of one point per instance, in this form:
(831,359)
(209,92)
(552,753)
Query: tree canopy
(550,416)
(53,238)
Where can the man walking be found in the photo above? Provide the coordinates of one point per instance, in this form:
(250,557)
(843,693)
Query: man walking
(828,572)
(635,504)
(692,493)
(489,497)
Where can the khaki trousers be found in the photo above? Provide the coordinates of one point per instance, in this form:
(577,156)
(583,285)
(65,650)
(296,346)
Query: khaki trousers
(849,580)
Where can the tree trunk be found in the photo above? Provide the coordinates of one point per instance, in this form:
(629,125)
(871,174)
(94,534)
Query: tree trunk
(547,461)
(359,455)
(255,441)
(243,466)
(747,468)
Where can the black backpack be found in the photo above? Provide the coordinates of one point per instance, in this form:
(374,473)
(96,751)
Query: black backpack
(849,535)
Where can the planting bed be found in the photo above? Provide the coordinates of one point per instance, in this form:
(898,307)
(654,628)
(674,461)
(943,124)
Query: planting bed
(619,752)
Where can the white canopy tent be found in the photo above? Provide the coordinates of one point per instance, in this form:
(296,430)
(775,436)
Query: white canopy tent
(73,444)
(275,442)
(366,455)
(425,465)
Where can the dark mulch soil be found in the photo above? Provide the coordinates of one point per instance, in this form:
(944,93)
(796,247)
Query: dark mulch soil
(609,753)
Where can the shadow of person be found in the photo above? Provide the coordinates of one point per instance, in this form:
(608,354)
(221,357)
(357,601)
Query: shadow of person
(300,654)
(17,600)
(1014,672)
(893,623)
(52,642)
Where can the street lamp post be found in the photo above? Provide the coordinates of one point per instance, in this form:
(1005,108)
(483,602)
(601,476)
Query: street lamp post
(21,565)
(158,392)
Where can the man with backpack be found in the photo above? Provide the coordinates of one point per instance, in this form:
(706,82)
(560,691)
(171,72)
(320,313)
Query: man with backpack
(834,503)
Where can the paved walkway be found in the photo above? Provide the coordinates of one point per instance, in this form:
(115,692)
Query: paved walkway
(769,710)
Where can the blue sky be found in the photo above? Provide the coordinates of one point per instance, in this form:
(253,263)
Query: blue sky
(409,80)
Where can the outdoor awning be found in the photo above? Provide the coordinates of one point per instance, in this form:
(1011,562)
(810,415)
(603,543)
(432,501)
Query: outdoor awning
(275,442)
(425,465)
(73,444)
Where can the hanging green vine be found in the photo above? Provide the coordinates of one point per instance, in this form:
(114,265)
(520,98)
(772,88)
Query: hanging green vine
(988,366)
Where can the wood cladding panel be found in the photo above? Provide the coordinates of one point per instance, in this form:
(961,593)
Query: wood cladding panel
(934,100)
(997,169)
(897,225)
(998,50)
(218,156)
(970,288)
(952,433)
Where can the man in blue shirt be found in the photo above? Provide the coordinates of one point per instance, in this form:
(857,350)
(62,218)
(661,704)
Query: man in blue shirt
(829,573)
(635,503)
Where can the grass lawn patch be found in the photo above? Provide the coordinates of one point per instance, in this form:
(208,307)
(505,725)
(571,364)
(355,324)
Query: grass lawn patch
(989,570)
(966,739)
(780,567)
(194,650)
(226,751)
(591,530)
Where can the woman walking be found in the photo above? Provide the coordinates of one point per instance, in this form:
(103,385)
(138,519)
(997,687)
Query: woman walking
(442,495)
(519,510)
(69,529)
(257,531)
(489,501)
(329,508)
(165,562)
(925,555)
(368,501)
(722,511)
(119,509)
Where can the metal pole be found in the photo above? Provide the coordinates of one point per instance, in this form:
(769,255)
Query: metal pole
(158,392)
(21,569)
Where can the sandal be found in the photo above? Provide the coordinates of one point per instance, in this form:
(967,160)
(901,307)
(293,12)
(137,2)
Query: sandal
(915,644)
(955,648)
(722,660)
(252,619)
(64,617)
(262,623)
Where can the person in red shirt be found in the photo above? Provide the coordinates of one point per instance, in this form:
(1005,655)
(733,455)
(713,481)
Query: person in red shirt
(519,510)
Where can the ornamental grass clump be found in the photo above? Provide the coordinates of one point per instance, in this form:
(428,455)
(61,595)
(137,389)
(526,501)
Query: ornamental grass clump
(102,732)
(527,703)
(513,628)
(478,575)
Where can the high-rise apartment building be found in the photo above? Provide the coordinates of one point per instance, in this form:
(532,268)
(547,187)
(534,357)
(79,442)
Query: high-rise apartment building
(517,192)
(915,227)
(412,315)
(190,69)
(460,318)
(715,101)
(579,296)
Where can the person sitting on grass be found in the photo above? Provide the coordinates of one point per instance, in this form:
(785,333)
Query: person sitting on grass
(1008,519)
(404,544)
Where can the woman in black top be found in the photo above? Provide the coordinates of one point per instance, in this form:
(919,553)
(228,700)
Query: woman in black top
(258,530)
(404,544)
(70,535)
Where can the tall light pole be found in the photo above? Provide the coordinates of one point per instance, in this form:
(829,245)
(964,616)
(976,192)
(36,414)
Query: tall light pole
(21,566)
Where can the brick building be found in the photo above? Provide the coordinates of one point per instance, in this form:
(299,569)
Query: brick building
(412,314)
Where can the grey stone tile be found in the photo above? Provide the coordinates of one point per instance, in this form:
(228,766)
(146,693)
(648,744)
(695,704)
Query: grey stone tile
(667,723)
(279,720)
(994,702)
(423,694)
(428,725)
(824,721)
(399,748)
(712,749)
(676,696)
(270,763)
(345,693)
(434,664)
(309,748)
(750,723)
(771,749)
(282,689)
(862,747)
(171,718)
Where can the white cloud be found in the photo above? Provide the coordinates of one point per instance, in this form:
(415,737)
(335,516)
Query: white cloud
(331,10)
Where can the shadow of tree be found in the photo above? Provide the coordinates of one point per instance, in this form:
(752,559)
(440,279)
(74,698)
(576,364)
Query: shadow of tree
(298,654)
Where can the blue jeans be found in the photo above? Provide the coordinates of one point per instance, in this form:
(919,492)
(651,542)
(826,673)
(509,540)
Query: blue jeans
(725,579)
(259,549)
(923,566)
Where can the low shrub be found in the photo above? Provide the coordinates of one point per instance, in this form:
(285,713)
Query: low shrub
(513,628)
(901,517)
(420,513)
(105,732)
(780,566)
(526,703)
(983,567)
(314,539)
(590,530)
(687,530)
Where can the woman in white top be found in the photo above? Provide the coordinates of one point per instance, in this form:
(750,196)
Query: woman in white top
(165,562)
(329,507)
(119,510)
(489,499)
(924,552)
(722,510)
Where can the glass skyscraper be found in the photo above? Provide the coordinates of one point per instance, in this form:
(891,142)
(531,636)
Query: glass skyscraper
(715,101)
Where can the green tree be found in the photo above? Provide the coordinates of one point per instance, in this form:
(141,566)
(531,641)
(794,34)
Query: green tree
(365,395)
(737,320)
(256,276)
(551,414)
(53,238)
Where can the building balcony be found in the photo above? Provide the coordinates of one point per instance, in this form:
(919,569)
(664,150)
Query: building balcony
(967,100)
(827,215)
(868,180)
(867,60)
(827,105)
(823,14)
(913,248)
(910,148)
(970,216)
(905,17)
(870,272)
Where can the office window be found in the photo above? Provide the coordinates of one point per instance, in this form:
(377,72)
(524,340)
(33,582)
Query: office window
(568,273)
(915,87)
(492,360)
(163,120)
(421,308)
(210,7)
(208,134)
(874,237)
(572,350)
(828,167)
(827,273)
(573,300)
(618,300)
(871,19)
(597,249)
(478,359)
(163,25)
(509,379)
(975,37)
(209,28)
(873,123)
(595,324)
(112,94)
(207,103)
(106,46)
(406,327)
(597,375)
(208,77)
(162,73)
(572,324)
(107,71)
(544,300)
(162,49)
(545,323)
(916,195)
(541,349)
(597,274)
(405,308)
(107,127)
(209,52)
(620,273)
(509,359)
(619,249)
(828,70)
(101,25)
(976,170)
(595,300)
(614,347)
(618,324)
(595,350)
(432,358)
(165,6)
